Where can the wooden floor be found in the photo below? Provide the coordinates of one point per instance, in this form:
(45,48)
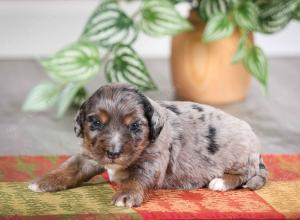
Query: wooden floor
(275,118)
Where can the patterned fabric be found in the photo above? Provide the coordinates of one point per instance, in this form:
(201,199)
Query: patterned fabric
(279,199)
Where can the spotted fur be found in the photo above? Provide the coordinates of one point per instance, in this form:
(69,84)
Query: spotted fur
(180,145)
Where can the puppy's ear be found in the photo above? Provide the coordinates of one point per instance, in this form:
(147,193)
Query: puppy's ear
(155,120)
(79,120)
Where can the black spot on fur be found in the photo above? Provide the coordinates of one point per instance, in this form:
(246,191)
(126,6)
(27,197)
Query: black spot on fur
(197,107)
(207,160)
(137,168)
(173,108)
(198,151)
(262,166)
(195,185)
(170,148)
(202,118)
(212,145)
(181,139)
(171,159)
(175,124)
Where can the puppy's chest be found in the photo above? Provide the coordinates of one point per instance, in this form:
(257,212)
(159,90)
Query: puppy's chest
(115,173)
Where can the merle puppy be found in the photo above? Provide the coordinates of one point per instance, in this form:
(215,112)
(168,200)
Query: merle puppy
(145,144)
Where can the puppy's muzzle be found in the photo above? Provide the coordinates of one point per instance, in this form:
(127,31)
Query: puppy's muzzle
(112,154)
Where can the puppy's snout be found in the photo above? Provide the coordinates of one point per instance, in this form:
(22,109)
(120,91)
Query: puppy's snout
(113,155)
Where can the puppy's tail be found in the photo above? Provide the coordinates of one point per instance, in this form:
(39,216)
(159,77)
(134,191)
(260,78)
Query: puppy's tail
(259,180)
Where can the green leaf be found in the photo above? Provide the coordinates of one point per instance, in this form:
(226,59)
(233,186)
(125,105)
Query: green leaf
(161,18)
(80,97)
(76,62)
(126,66)
(41,97)
(246,16)
(256,62)
(209,8)
(177,1)
(241,50)
(297,12)
(218,27)
(66,97)
(109,26)
(276,14)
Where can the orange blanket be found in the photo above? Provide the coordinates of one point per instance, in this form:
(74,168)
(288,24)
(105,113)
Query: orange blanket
(279,199)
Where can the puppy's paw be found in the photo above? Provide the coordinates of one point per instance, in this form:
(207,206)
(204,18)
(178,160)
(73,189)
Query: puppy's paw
(217,184)
(48,183)
(127,199)
(34,187)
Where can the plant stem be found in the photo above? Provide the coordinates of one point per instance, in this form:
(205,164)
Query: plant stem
(137,12)
(106,56)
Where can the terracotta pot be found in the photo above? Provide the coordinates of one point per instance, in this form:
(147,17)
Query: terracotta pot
(203,72)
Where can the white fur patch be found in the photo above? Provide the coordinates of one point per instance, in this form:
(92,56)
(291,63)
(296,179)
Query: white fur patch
(34,187)
(217,184)
(120,203)
(93,133)
(115,172)
(116,142)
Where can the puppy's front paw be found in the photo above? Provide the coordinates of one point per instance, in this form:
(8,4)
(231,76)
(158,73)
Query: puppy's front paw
(217,184)
(48,183)
(127,199)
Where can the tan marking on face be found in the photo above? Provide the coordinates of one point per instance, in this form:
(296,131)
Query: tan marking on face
(129,118)
(103,116)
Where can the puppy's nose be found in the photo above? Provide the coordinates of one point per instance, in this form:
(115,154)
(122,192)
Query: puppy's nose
(113,155)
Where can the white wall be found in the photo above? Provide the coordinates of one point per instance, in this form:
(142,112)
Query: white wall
(33,28)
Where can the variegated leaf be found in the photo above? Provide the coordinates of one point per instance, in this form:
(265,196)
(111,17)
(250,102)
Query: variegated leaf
(246,15)
(42,97)
(66,97)
(218,27)
(109,26)
(80,97)
(241,50)
(297,12)
(276,14)
(125,66)
(256,62)
(161,18)
(209,8)
(77,62)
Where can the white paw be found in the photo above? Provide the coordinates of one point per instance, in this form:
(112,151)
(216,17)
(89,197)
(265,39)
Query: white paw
(217,184)
(122,203)
(34,187)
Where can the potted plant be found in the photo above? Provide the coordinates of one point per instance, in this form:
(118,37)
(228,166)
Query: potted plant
(107,38)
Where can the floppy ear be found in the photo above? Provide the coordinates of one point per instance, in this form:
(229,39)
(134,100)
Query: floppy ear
(79,120)
(154,118)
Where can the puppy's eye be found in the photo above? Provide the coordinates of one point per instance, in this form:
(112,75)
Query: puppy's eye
(95,124)
(134,127)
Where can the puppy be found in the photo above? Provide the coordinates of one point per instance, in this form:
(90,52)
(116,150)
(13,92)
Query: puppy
(145,144)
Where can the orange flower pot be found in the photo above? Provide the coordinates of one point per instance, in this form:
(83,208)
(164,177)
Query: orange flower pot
(203,72)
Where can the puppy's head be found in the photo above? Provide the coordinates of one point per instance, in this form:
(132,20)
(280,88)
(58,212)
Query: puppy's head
(117,123)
